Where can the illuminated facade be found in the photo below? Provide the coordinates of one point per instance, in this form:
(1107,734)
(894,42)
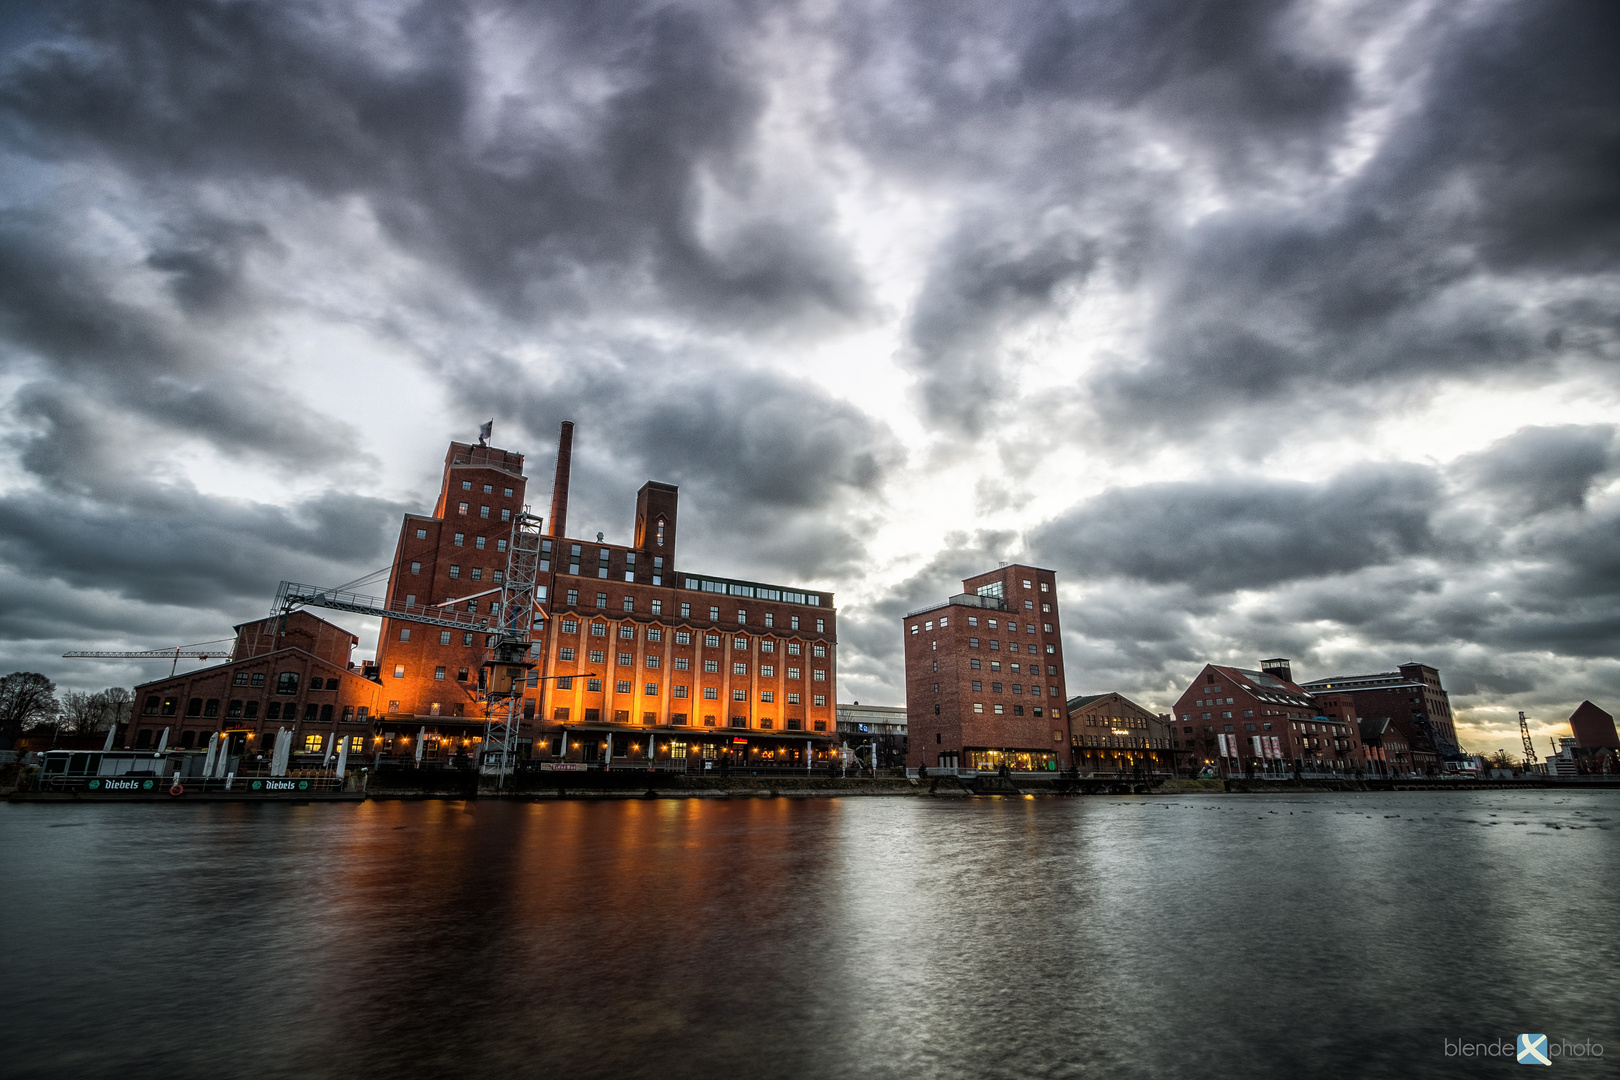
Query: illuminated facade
(293,672)
(1114,736)
(984,676)
(632,656)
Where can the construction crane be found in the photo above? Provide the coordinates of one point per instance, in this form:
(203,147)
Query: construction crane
(1529,746)
(508,661)
(188,651)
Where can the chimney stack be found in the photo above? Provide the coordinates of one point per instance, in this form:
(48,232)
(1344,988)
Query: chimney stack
(559,486)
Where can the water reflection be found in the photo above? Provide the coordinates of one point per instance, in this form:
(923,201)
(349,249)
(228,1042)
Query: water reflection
(1240,936)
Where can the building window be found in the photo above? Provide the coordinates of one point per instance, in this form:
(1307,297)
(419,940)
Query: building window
(682,663)
(461,674)
(483,511)
(739,669)
(438,673)
(793,648)
(601,600)
(978,687)
(461,508)
(455,571)
(767,671)
(679,691)
(739,694)
(711,693)
(821,701)
(793,622)
(597,656)
(622,686)
(444,637)
(683,637)
(565,654)
(460,539)
(570,626)
(686,611)
(399,673)
(820,650)
(793,673)
(714,614)
(478,573)
(978,706)
(573,597)
(821,626)
(742,616)
(652,661)
(287,682)
(421,534)
(593,686)
(629,603)
(711,641)
(598,629)
(821,675)
(506,515)
(1000,710)
(626,659)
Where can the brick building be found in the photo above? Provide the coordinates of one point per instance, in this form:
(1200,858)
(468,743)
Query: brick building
(1413,698)
(1593,728)
(632,656)
(984,676)
(1112,735)
(293,672)
(1237,721)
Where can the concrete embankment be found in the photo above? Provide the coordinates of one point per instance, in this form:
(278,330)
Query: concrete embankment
(430,784)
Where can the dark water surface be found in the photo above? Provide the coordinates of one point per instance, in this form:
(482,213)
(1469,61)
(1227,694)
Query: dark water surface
(1210,936)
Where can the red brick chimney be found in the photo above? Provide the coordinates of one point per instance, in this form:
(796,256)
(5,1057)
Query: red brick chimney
(559,486)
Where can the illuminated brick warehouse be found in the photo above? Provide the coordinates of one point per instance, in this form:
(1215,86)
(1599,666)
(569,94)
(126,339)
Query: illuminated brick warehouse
(632,656)
(294,672)
(984,676)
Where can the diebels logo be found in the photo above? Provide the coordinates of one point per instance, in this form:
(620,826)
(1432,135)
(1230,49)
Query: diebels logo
(1528,1049)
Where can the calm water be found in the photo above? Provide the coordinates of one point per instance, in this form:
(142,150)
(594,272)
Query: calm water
(1251,936)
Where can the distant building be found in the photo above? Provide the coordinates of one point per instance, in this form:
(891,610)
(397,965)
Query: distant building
(1413,698)
(1114,736)
(292,671)
(984,676)
(1237,721)
(859,724)
(1593,728)
(1386,749)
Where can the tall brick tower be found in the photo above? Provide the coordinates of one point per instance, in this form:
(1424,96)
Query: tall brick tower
(984,676)
(457,552)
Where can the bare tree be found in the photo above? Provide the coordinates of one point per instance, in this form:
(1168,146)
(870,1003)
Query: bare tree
(26,698)
(91,714)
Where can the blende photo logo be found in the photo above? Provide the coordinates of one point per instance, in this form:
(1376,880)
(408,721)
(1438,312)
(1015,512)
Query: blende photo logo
(1526,1049)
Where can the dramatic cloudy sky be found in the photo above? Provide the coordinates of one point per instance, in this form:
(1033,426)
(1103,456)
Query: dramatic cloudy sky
(1276,329)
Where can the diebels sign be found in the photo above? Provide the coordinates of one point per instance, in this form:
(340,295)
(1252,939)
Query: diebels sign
(119,785)
(280,785)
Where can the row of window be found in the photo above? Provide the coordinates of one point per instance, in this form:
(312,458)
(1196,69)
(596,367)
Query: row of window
(489,489)
(973,620)
(995,688)
(1012,646)
(1017,710)
(237,709)
(995,665)
(603,557)
(650,719)
(483,512)
(656,607)
(627,632)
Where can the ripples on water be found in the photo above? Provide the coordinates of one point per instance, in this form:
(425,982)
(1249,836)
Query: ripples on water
(1252,936)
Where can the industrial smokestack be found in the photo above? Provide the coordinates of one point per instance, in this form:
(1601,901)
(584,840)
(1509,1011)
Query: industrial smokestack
(559,486)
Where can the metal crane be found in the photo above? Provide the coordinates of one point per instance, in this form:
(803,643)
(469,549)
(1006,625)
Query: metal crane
(189,651)
(1529,746)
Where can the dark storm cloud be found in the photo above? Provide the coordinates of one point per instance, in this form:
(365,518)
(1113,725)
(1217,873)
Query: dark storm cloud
(169,545)
(979,285)
(520,195)
(1245,533)
(61,311)
(1538,469)
(1504,171)
(769,466)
